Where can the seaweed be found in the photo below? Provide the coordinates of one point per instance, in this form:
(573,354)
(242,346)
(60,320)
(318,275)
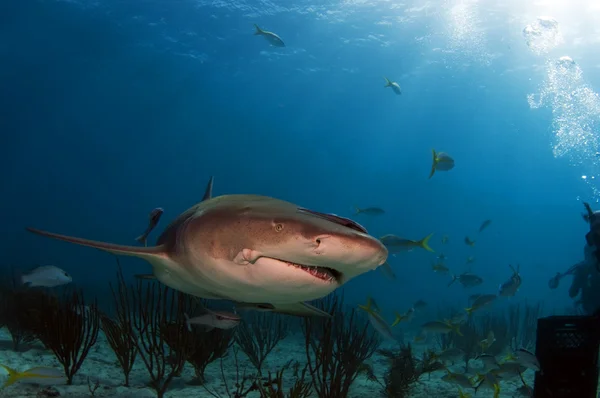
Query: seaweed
(402,374)
(241,388)
(200,348)
(468,342)
(522,325)
(273,388)
(336,347)
(69,328)
(119,332)
(258,336)
(154,306)
(514,328)
(20,311)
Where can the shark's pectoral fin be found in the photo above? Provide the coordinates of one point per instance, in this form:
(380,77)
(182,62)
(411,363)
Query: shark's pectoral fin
(297,309)
(154,255)
(387,270)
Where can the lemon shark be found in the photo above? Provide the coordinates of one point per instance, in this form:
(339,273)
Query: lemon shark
(260,252)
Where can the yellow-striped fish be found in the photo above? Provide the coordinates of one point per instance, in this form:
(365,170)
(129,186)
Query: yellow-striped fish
(441,162)
(40,375)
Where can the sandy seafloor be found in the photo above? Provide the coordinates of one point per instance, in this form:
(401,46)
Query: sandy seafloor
(101,365)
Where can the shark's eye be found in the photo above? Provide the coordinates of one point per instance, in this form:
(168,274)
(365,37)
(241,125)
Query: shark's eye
(278,227)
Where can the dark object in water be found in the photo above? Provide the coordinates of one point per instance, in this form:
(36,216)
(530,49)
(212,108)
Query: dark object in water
(593,236)
(567,350)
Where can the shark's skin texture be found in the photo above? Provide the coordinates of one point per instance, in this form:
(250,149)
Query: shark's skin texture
(248,248)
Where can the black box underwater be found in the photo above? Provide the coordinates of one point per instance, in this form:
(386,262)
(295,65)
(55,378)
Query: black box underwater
(567,350)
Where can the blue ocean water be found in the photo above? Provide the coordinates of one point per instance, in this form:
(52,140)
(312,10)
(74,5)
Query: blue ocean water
(111,108)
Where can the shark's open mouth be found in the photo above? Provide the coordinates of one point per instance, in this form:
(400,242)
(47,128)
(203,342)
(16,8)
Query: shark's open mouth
(323,273)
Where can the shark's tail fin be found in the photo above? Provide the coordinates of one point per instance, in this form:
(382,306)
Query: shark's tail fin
(388,82)
(258,30)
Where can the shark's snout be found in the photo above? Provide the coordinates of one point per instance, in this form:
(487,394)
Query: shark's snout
(346,253)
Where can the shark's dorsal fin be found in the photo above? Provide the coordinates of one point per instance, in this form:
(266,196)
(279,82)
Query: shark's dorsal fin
(209,189)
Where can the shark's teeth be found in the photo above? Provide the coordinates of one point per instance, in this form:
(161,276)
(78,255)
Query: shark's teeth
(323,273)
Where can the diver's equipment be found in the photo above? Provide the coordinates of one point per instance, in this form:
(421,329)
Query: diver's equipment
(554,281)
(589,213)
(567,350)
(593,239)
(593,236)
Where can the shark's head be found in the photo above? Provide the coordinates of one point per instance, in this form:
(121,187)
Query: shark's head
(277,247)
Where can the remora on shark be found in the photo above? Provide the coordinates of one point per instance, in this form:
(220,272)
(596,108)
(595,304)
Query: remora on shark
(258,251)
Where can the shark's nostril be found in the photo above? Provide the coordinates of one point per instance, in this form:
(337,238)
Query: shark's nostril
(320,243)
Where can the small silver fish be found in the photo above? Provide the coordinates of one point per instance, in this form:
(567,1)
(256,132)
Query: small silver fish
(527,359)
(380,325)
(489,362)
(480,302)
(407,317)
(213,319)
(396,244)
(419,305)
(484,225)
(490,381)
(46,276)
(467,280)
(512,285)
(154,217)
(450,354)
(441,327)
(488,341)
(271,37)
(395,86)
(440,267)
(459,318)
(510,369)
(457,378)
